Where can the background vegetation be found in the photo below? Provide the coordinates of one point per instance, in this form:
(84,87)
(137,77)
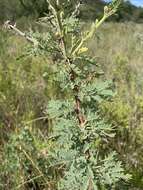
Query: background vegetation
(24,93)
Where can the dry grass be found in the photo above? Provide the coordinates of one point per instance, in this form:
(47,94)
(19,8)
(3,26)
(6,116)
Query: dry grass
(123,40)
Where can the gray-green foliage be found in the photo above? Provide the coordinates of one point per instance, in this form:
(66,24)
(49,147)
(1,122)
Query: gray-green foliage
(77,141)
(78,129)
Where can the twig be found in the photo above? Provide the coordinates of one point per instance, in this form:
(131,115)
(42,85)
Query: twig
(76,10)
(34,120)
(33,163)
(9,26)
(28,181)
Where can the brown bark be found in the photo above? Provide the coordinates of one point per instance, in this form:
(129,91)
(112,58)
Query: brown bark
(78,107)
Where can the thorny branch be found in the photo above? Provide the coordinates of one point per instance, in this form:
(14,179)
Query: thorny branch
(80,116)
(9,26)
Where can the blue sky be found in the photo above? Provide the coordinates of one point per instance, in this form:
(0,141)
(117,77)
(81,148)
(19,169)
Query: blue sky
(137,2)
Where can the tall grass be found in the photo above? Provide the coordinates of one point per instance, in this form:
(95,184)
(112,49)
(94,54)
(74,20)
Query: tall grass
(119,47)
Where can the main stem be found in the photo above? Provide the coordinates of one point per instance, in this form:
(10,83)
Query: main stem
(72,75)
(78,109)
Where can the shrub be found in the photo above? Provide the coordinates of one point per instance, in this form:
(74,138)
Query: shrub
(75,157)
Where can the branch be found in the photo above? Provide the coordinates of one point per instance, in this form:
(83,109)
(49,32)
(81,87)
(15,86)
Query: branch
(108,11)
(9,26)
(76,10)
